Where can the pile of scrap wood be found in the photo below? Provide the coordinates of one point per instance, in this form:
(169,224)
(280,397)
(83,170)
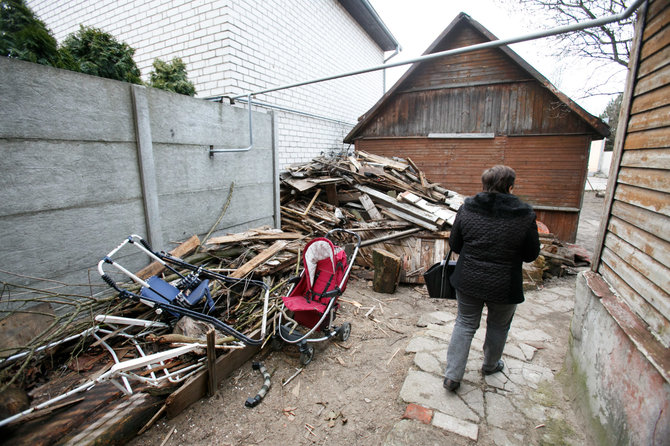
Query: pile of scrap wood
(53,342)
(388,202)
(67,359)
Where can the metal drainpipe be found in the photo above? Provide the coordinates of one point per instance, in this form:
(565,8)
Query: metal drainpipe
(480,46)
(395,53)
(212,150)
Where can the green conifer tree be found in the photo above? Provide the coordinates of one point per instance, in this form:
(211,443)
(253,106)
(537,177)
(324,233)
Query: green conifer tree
(100,54)
(23,36)
(171,76)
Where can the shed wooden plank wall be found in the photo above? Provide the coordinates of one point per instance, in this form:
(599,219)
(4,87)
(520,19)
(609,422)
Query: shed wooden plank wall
(635,251)
(486,92)
(550,170)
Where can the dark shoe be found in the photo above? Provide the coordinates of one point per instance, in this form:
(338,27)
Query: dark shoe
(496,369)
(451,385)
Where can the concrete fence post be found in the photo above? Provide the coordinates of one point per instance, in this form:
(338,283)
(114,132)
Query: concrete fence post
(145,158)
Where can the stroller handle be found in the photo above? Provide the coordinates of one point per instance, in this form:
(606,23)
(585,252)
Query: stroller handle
(353,255)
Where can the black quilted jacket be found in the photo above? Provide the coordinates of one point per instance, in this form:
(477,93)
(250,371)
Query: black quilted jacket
(493,233)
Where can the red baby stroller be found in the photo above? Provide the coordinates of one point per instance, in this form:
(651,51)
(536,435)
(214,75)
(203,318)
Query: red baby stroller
(312,303)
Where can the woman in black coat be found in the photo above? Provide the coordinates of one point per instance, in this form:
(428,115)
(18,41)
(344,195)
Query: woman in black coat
(494,233)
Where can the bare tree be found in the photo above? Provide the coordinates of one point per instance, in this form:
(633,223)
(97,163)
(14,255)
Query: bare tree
(611,42)
(606,48)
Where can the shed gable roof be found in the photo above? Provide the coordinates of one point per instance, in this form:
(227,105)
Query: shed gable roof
(508,66)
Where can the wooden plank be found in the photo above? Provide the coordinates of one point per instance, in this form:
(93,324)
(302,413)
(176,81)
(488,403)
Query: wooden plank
(119,422)
(649,244)
(634,72)
(311,203)
(650,139)
(440,211)
(355,164)
(392,202)
(651,293)
(383,160)
(196,387)
(261,258)
(656,23)
(654,99)
(254,235)
(653,63)
(331,194)
(644,264)
(635,327)
(654,179)
(412,219)
(212,382)
(648,221)
(659,41)
(61,424)
(660,79)
(647,158)
(649,120)
(370,208)
(182,250)
(652,200)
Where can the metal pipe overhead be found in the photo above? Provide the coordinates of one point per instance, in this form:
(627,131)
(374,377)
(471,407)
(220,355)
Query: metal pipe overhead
(480,46)
(467,49)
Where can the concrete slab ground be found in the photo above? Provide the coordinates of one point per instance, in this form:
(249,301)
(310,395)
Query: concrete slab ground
(524,404)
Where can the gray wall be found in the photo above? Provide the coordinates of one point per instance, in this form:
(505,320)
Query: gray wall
(86,161)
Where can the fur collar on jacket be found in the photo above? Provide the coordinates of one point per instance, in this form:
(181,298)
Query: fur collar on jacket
(497,205)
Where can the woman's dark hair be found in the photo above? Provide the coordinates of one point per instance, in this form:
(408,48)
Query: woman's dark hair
(498,179)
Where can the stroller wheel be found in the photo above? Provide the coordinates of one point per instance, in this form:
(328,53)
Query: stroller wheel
(344,331)
(306,354)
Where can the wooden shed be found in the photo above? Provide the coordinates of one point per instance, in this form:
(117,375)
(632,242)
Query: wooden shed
(621,323)
(457,115)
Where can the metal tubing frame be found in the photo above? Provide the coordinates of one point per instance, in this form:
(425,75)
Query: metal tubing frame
(167,260)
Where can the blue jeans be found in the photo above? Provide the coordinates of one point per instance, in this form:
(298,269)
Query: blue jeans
(498,321)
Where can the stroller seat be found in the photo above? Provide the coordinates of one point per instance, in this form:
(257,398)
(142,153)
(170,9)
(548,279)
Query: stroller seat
(325,266)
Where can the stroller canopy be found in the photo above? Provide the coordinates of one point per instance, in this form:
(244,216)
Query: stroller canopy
(315,251)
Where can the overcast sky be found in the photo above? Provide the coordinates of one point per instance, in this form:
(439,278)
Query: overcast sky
(417,23)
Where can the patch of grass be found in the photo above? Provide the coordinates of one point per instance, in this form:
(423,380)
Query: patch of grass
(545,394)
(557,433)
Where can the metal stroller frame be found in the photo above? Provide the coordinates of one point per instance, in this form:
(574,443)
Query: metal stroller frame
(162,302)
(290,335)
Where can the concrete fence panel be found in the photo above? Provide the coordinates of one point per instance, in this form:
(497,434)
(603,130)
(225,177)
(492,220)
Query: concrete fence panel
(86,161)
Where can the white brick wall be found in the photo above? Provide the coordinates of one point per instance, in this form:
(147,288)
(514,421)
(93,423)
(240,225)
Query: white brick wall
(232,47)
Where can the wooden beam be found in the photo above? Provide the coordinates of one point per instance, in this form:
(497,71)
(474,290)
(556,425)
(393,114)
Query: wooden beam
(196,387)
(254,235)
(311,203)
(182,250)
(387,271)
(393,203)
(369,206)
(261,258)
(412,219)
(211,363)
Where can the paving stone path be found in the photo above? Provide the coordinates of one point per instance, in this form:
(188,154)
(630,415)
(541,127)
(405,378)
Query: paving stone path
(523,404)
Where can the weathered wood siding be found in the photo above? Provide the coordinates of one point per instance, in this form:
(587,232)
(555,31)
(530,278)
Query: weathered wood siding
(486,92)
(550,169)
(635,247)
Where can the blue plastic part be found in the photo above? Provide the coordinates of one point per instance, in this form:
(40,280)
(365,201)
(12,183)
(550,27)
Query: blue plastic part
(162,292)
